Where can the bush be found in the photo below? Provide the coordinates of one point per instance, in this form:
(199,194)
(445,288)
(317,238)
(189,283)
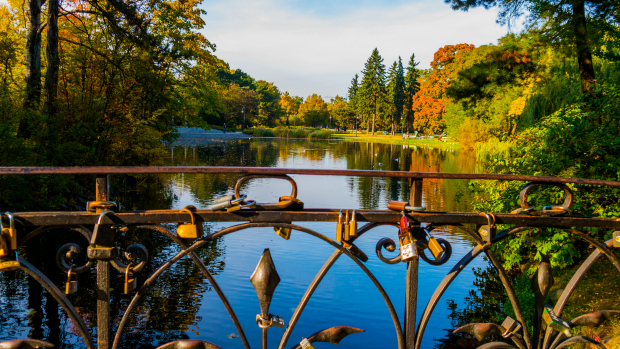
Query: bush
(320,134)
(262,132)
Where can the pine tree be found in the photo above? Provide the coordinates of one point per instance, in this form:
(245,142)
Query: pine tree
(372,91)
(354,97)
(395,94)
(412,86)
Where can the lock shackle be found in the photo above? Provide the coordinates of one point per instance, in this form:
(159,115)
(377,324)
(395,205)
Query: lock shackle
(191,214)
(11,219)
(103,214)
(247,204)
(127,272)
(239,199)
(490,218)
(70,272)
(340,217)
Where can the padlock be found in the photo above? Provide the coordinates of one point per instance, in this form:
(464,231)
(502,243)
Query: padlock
(434,245)
(10,232)
(353,226)
(555,322)
(228,202)
(4,246)
(305,344)
(189,230)
(511,325)
(487,232)
(130,281)
(347,226)
(72,284)
(616,239)
(283,232)
(10,265)
(408,249)
(340,227)
(101,230)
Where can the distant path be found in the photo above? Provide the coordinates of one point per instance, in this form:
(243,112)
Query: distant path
(196,136)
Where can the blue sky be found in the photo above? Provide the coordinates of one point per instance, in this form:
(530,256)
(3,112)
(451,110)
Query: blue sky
(307,47)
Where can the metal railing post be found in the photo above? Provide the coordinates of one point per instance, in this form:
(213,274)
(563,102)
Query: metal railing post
(103,276)
(411,290)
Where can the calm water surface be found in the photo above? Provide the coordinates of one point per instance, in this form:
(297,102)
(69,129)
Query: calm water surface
(183,305)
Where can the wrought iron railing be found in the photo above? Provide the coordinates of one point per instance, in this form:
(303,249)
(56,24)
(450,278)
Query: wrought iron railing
(415,227)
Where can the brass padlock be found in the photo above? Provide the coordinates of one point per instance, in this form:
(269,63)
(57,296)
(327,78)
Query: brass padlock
(10,232)
(305,344)
(347,226)
(4,246)
(340,227)
(189,230)
(511,325)
(487,232)
(408,250)
(130,281)
(433,245)
(616,239)
(353,226)
(556,323)
(72,284)
(10,265)
(283,232)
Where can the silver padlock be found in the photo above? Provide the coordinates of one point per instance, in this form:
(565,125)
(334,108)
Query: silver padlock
(408,250)
(487,232)
(227,202)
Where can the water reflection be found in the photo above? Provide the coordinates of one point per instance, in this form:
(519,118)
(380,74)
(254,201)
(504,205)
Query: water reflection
(180,304)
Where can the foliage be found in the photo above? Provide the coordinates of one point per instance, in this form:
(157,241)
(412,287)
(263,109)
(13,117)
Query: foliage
(314,111)
(579,140)
(372,91)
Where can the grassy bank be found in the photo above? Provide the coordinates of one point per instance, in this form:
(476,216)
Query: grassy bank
(388,139)
(284,132)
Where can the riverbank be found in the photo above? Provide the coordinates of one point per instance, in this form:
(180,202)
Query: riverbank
(191,136)
(389,139)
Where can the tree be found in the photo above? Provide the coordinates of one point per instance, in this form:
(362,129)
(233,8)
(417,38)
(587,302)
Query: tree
(268,107)
(314,111)
(396,93)
(339,111)
(290,105)
(412,86)
(354,98)
(372,91)
(568,23)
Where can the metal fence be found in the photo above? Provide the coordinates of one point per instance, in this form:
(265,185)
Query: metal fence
(415,225)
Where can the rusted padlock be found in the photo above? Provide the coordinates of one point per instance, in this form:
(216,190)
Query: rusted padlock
(72,283)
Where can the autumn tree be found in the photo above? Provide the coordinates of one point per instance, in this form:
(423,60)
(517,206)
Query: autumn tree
(372,91)
(289,105)
(429,103)
(339,111)
(574,25)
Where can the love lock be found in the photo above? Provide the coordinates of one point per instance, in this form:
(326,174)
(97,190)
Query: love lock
(273,320)
(616,239)
(10,231)
(408,249)
(288,202)
(488,231)
(190,230)
(555,322)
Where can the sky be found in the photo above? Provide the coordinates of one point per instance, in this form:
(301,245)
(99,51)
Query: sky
(317,46)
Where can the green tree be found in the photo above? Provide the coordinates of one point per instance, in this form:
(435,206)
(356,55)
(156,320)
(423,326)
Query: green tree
(372,92)
(340,112)
(268,107)
(574,25)
(314,111)
(412,86)
(395,93)
(353,99)
(290,105)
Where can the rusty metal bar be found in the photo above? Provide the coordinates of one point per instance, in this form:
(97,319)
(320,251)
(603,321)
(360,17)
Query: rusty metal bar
(306,215)
(292,171)
(103,276)
(411,283)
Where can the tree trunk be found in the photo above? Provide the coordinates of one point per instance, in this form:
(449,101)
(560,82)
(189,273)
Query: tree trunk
(32,88)
(374,113)
(393,125)
(51,75)
(584,53)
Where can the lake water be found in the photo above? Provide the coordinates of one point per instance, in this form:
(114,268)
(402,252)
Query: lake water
(183,305)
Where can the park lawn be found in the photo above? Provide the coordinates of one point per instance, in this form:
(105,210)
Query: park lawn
(398,139)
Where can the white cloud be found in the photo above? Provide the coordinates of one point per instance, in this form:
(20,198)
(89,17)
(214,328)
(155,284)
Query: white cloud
(304,53)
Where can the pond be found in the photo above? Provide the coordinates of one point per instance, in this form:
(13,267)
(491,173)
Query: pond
(183,305)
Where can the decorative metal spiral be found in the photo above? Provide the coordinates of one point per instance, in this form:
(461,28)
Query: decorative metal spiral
(71,252)
(444,258)
(130,255)
(390,246)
